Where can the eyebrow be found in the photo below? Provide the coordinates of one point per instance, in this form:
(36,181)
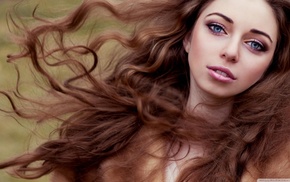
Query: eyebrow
(223,16)
(255,31)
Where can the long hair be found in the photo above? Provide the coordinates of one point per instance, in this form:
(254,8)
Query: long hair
(116,121)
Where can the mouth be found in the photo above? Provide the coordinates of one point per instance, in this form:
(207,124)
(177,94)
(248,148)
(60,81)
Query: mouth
(222,73)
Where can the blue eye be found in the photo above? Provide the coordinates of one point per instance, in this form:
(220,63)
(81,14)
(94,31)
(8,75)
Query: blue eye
(216,28)
(255,45)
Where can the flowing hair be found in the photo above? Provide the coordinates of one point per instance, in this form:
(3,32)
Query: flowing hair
(118,122)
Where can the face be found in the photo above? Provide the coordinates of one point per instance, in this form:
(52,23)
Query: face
(230,46)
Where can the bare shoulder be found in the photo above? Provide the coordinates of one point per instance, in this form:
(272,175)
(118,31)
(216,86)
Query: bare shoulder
(277,167)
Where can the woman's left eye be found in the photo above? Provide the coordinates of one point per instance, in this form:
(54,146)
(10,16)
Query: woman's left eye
(256,45)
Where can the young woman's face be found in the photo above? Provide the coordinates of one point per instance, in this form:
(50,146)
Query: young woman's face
(231,46)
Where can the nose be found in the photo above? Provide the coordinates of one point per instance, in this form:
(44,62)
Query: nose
(231,49)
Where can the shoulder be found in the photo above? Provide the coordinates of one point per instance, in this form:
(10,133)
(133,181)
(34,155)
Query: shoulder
(276,168)
(279,165)
(142,160)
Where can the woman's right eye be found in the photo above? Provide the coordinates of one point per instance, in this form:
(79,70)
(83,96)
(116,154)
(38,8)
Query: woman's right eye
(216,28)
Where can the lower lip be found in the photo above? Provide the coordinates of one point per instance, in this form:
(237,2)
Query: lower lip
(219,77)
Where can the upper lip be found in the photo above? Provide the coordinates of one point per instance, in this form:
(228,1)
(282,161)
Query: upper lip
(223,69)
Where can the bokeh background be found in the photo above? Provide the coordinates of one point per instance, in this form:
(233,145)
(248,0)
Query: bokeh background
(17,135)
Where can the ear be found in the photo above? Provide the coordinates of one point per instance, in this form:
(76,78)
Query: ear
(187,42)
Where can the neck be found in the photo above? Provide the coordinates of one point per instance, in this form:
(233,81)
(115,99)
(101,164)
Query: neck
(211,108)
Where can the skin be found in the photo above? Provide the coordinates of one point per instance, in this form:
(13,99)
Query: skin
(226,39)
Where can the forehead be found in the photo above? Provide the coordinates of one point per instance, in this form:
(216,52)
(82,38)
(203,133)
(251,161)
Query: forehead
(256,14)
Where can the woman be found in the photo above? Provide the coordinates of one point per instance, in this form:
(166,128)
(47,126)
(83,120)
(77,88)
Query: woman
(200,94)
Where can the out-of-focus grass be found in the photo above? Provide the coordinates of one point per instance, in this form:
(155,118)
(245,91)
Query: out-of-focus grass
(15,135)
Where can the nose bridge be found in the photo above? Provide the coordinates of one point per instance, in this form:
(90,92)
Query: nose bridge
(231,48)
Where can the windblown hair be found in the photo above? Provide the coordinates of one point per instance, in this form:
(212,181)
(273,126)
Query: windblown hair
(123,121)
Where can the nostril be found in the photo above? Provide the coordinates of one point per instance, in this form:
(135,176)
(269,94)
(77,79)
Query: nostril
(228,57)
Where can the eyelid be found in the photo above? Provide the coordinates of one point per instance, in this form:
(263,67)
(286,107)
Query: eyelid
(216,23)
(264,47)
(213,23)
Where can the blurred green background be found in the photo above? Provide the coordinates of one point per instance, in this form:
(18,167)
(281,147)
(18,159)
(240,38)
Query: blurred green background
(16,135)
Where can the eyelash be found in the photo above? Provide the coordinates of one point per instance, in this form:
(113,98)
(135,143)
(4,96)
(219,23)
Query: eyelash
(212,26)
(261,48)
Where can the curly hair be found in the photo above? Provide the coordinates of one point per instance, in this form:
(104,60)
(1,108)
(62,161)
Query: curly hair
(120,123)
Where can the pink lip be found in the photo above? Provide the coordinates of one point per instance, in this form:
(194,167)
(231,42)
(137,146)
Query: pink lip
(230,76)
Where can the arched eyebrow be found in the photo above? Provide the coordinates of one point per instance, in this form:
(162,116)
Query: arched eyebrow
(255,31)
(223,16)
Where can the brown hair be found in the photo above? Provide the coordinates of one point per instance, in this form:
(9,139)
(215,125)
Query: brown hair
(111,122)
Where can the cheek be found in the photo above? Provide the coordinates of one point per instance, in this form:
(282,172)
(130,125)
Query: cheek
(257,71)
(198,50)
(203,45)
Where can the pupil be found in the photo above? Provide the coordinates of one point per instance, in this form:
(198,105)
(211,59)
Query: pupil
(217,29)
(255,45)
